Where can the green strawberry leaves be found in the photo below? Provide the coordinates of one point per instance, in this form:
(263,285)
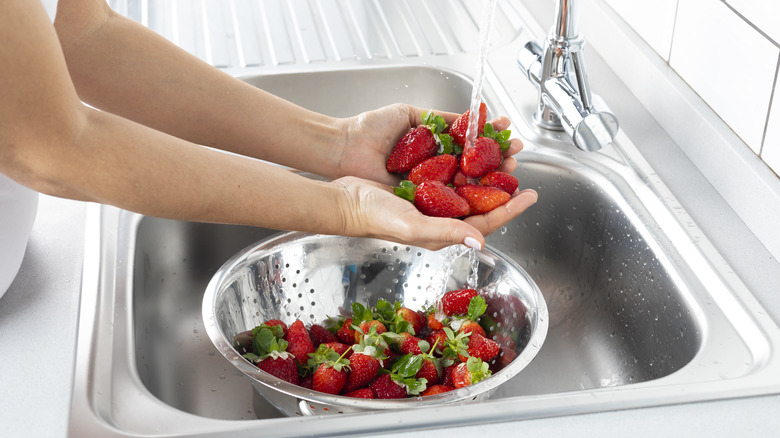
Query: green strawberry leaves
(477,307)
(404,370)
(406,190)
(501,137)
(265,340)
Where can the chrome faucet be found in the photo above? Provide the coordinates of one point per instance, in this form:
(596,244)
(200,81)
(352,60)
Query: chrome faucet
(558,72)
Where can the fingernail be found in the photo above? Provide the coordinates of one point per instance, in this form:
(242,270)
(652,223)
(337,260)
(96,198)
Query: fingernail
(472,243)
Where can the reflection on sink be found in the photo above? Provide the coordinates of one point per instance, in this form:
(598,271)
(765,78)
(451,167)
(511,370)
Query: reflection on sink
(639,314)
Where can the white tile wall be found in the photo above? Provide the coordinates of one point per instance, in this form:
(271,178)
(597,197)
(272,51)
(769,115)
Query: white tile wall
(652,20)
(728,51)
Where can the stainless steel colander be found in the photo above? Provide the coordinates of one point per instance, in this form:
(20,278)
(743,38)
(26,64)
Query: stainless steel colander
(311,277)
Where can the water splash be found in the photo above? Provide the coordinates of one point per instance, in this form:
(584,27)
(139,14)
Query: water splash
(453,258)
(485,28)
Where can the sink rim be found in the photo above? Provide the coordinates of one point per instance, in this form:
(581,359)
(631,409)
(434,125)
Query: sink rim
(93,393)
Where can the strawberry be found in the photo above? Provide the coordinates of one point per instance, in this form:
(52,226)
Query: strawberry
(410,344)
(461,125)
(456,302)
(482,199)
(434,323)
(330,370)
(281,365)
(437,340)
(433,198)
(363,369)
(305,381)
(321,335)
(418,144)
(471,327)
(429,370)
(412,149)
(298,342)
(440,168)
(446,374)
(460,179)
(481,348)
(401,380)
(482,157)
(502,180)
(437,389)
(469,372)
(361,393)
(366,326)
(346,333)
(329,378)
(277,322)
(416,319)
(385,387)
(338,347)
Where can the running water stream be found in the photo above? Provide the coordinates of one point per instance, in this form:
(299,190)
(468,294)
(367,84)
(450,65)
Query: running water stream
(485,28)
(453,253)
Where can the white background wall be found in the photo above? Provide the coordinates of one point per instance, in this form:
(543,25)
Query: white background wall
(728,51)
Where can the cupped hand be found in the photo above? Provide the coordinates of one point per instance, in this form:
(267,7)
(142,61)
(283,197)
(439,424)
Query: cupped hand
(371,209)
(368,139)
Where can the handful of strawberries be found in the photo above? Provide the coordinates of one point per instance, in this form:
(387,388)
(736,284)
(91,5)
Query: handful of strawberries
(388,351)
(446,178)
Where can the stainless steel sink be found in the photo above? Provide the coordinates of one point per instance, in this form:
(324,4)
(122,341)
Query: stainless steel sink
(643,310)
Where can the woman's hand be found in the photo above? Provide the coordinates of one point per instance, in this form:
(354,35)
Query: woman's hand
(369,138)
(372,209)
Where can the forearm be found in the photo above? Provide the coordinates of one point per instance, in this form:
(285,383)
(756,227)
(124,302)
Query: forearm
(115,161)
(121,67)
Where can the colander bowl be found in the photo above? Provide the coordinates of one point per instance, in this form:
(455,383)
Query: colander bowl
(312,277)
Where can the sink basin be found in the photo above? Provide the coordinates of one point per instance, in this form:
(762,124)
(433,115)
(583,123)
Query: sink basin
(642,310)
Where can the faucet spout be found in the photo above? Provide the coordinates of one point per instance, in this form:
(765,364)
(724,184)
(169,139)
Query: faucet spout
(558,72)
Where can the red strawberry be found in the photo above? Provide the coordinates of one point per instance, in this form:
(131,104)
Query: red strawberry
(461,125)
(502,180)
(460,179)
(481,348)
(437,389)
(385,387)
(346,333)
(338,347)
(365,327)
(329,378)
(409,343)
(413,317)
(429,371)
(281,365)
(298,342)
(305,381)
(456,302)
(433,198)
(361,393)
(471,327)
(433,323)
(416,146)
(446,374)
(280,323)
(484,156)
(470,372)
(482,199)
(321,335)
(440,168)
(363,369)
(437,339)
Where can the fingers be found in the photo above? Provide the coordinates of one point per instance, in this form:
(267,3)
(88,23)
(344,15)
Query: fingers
(493,220)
